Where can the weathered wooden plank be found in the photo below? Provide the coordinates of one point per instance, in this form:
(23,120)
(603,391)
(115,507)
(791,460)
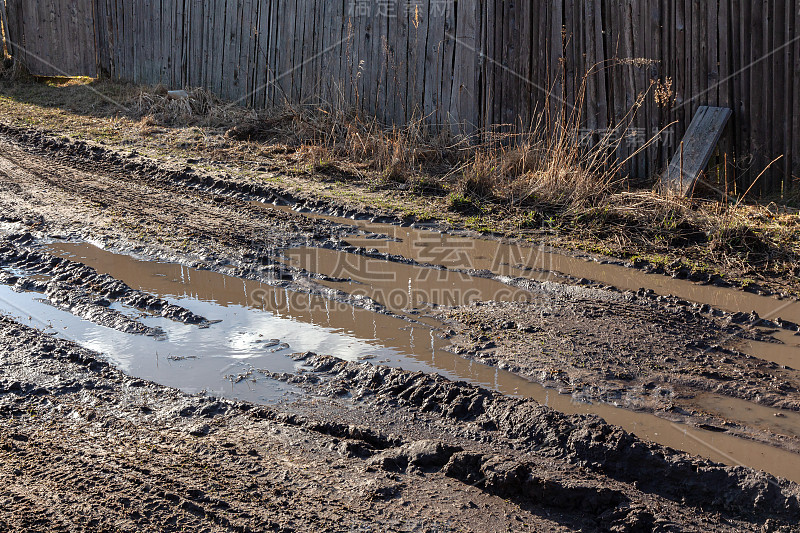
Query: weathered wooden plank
(273,54)
(498,60)
(386,105)
(725,24)
(305,68)
(353,29)
(101,37)
(787,65)
(367,63)
(571,47)
(464,114)
(162,28)
(397,73)
(487,68)
(286,53)
(590,54)
(795,152)
(323,17)
(179,37)
(341,55)
(234,28)
(168,12)
(508,82)
(215,57)
(373,62)
(293,72)
(540,66)
(347,62)
(638,120)
(695,150)
(419,46)
(361,61)
(446,65)
(579,114)
(557,66)
(600,57)
(741,11)
(48,28)
(377,64)
(113,41)
(120,43)
(242,47)
(776,95)
(261,54)
(518,60)
(147,41)
(14,21)
(758,74)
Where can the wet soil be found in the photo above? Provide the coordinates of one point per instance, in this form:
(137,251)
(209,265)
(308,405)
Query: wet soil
(83,443)
(364,446)
(254,313)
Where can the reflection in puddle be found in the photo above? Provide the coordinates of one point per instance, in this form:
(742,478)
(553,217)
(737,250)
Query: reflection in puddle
(253,312)
(193,359)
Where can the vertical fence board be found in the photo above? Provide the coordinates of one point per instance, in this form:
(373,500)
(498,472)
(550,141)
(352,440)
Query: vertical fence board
(463,113)
(795,88)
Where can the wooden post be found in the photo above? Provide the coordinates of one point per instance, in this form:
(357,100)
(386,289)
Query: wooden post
(6,33)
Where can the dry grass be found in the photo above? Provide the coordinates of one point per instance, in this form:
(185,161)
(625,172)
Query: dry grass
(201,108)
(525,183)
(12,70)
(579,187)
(522,170)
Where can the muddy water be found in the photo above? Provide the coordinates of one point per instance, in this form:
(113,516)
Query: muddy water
(400,286)
(252,312)
(193,359)
(304,322)
(776,420)
(539,263)
(786,353)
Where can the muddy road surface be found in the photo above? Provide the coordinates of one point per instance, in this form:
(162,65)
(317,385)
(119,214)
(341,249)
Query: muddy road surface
(180,349)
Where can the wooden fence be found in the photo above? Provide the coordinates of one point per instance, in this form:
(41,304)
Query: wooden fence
(471,64)
(50,36)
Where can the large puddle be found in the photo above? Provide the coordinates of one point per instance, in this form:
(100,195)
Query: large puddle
(537,263)
(261,325)
(433,247)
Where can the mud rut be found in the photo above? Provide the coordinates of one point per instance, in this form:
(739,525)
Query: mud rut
(655,354)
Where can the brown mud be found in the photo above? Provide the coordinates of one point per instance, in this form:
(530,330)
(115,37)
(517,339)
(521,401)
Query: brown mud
(398,344)
(439,452)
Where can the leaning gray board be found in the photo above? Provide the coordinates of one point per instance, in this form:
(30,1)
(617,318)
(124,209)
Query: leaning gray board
(695,151)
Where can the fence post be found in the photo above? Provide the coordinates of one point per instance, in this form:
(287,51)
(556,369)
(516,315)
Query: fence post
(4,20)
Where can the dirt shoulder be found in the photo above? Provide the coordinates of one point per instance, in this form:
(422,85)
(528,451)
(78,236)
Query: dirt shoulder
(748,246)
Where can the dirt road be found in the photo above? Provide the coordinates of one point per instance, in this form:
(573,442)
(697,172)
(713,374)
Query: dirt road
(359,445)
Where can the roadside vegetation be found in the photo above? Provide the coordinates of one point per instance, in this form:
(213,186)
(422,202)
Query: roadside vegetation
(533,186)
